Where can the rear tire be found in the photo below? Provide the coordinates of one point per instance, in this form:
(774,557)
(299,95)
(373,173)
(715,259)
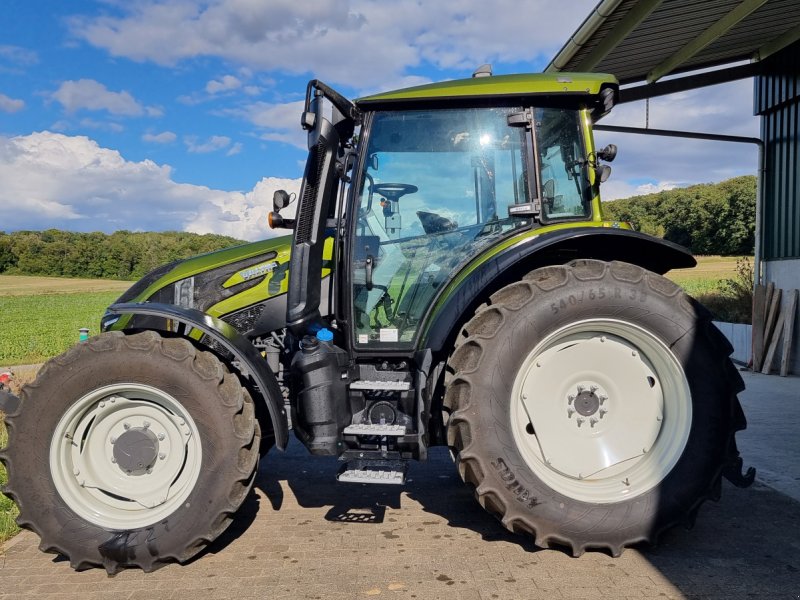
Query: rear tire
(592,405)
(131,451)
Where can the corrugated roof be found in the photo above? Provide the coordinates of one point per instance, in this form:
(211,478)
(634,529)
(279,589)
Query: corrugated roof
(644,40)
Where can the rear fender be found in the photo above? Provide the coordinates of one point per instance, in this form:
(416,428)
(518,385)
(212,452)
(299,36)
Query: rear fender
(486,275)
(246,359)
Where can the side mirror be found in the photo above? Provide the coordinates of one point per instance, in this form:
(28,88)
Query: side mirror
(280,200)
(608,154)
(602,173)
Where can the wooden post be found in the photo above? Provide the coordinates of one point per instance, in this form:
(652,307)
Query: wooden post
(772,317)
(788,333)
(759,313)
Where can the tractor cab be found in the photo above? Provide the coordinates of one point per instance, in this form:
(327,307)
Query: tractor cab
(435,176)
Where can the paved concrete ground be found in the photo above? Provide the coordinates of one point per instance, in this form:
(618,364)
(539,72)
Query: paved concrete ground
(301,535)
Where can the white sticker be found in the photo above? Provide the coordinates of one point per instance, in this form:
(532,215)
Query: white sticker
(389,335)
(363,338)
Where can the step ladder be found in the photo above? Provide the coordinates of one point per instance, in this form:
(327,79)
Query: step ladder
(389,386)
(391,472)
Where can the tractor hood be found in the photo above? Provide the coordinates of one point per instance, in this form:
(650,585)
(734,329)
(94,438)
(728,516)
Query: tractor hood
(206,281)
(239,285)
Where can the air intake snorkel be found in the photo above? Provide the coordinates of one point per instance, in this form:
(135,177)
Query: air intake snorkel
(315,203)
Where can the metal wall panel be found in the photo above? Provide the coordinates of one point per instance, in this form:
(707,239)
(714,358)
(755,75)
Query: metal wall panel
(777,100)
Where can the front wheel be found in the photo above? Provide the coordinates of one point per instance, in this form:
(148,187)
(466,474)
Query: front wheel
(131,451)
(592,405)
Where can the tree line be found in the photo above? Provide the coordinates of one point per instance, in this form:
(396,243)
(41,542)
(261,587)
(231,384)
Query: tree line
(706,218)
(121,255)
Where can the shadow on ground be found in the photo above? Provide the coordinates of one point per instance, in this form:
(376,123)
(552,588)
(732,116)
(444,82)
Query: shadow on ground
(744,546)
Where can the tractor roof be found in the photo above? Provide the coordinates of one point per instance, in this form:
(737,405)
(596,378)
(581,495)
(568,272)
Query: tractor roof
(490,88)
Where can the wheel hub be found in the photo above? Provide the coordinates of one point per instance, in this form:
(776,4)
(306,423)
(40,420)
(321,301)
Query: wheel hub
(587,403)
(136,451)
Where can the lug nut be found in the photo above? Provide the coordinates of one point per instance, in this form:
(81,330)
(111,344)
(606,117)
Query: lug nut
(580,422)
(570,399)
(76,472)
(161,437)
(592,422)
(113,440)
(126,425)
(570,412)
(162,456)
(603,412)
(146,424)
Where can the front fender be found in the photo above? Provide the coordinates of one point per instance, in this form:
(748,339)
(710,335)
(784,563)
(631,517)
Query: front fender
(487,274)
(246,359)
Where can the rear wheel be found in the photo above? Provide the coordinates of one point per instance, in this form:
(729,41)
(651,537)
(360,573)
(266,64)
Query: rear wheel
(592,405)
(149,446)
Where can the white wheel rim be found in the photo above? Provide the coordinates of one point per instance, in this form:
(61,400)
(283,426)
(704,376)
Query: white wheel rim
(601,410)
(125,456)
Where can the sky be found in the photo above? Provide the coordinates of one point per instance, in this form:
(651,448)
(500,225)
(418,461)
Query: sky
(184,114)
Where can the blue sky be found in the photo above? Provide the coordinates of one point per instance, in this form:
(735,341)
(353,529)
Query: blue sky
(183,114)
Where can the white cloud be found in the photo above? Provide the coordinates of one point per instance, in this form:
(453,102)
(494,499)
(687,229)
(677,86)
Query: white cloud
(343,41)
(88,94)
(279,122)
(226,83)
(243,215)
(10,105)
(70,182)
(101,125)
(17,56)
(235,149)
(212,144)
(165,137)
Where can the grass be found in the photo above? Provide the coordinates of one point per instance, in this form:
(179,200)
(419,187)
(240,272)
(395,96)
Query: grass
(722,283)
(40,316)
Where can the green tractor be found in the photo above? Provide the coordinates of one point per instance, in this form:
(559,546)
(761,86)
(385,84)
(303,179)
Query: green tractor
(450,281)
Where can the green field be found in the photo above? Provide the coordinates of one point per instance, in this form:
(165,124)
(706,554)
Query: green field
(40,316)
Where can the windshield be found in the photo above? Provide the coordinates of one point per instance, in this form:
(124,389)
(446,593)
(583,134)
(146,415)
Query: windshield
(434,192)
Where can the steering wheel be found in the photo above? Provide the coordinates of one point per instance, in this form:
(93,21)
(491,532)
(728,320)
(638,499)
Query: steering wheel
(394,191)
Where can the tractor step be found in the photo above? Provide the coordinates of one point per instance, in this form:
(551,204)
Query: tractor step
(375,429)
(392,472)
(391,386)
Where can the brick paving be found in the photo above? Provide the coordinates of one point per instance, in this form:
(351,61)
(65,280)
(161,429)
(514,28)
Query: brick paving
(302,535)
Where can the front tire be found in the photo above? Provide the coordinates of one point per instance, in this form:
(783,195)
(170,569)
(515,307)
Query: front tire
(131,451)
(592,405)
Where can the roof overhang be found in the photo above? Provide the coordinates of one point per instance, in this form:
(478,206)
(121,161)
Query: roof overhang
(648,40)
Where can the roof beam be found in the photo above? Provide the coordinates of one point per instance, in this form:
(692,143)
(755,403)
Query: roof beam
(779,43)
(628,23)
(711,34)
(690,82)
